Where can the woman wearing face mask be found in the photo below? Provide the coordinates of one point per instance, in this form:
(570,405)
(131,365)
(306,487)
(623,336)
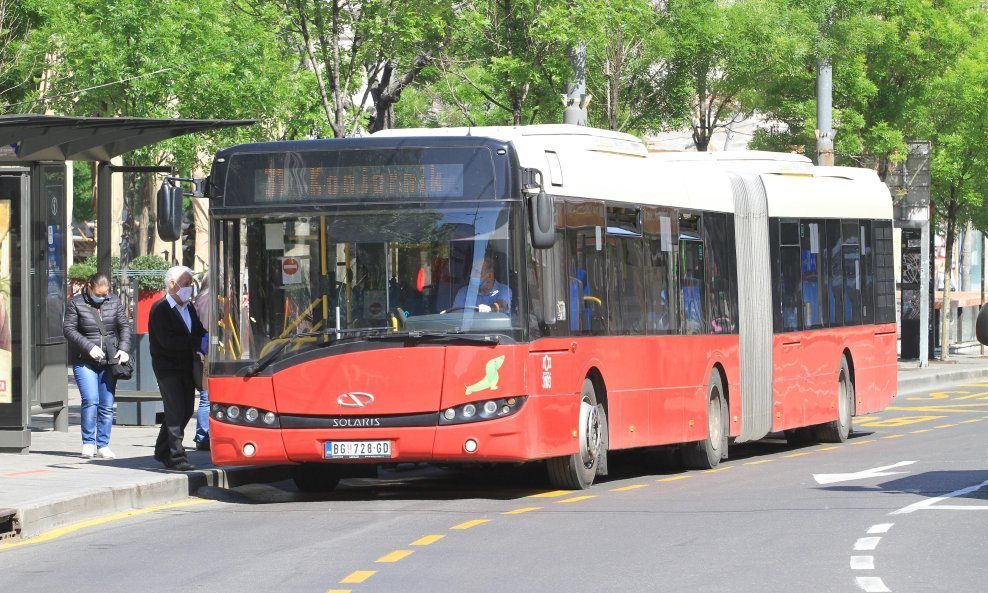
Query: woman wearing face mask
(98,332)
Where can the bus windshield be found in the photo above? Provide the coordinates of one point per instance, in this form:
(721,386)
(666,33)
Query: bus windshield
(363,271)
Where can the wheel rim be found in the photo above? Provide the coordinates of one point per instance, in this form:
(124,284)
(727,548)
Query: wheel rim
(714,420)
(843,405)
(589,433)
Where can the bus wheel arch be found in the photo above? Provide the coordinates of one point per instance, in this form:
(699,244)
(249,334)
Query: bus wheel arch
(577,471)
(707,453)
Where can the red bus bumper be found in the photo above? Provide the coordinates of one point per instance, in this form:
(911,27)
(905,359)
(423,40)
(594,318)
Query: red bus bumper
(544,427)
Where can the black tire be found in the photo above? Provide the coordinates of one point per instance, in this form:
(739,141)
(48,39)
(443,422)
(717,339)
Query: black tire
(706,454)
(837,431)
(577,471)
(315,477)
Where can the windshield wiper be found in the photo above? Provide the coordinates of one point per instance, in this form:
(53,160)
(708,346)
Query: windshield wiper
(491,339)
(272,355)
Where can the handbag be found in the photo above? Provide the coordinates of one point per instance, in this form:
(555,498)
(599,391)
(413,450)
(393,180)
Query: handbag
(119,370)
(122,370)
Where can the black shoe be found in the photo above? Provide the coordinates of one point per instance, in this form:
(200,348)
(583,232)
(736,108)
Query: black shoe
(182,466)
(202,445)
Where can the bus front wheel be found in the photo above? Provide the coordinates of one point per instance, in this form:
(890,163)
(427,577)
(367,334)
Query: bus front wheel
(577,471)
(706,454)
(837,431)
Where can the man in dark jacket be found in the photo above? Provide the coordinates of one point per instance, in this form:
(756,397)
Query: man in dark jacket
(175,337)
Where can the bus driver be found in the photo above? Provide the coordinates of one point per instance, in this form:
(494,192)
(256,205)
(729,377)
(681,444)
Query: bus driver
(485,292)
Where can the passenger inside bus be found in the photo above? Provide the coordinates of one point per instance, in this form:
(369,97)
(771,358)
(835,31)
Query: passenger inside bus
(484,293)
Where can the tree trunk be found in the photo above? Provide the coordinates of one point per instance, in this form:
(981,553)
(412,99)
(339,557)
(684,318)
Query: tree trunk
(948,261)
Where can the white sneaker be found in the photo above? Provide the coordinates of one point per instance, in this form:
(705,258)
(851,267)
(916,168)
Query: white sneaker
(89,451)
(105,453)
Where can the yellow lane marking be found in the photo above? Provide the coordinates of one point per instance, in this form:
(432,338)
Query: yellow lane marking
(469,524)
(945,426)
(395,556)
(759,462)
(576,499)
(894,436)
(922,430)
(796,454)
(861,442)
(832,447)
(982,395)
(358,576)
(56,533)
(552,494)
(935,395)
(975,408)
(427,540)
(340,591)
(626,488)
(971,421)
(522,510)
(673,478)
(719,469)
(894,422)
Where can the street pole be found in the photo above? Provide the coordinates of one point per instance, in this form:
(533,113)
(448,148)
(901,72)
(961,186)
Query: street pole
(575,100)
(824,113)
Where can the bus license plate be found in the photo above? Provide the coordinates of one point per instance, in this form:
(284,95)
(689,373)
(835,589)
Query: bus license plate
(358,449)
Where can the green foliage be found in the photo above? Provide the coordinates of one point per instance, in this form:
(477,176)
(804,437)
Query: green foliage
(81,271)
(82,191)
(94,263)
(150,263)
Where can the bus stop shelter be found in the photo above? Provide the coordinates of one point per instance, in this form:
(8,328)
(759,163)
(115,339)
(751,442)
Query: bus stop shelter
(34,227)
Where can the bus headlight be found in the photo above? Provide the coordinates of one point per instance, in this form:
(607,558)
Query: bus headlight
(235,414)
(489,409)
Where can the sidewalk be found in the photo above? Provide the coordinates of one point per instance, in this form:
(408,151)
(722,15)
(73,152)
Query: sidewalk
(53,487)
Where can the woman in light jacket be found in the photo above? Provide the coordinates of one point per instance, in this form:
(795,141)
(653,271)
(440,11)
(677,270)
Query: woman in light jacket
(98,332)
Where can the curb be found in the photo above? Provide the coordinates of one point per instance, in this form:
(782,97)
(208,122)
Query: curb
(36,519)
(911,385)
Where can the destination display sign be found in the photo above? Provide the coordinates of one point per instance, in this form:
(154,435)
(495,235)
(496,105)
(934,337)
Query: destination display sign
(359,175)
(381,181)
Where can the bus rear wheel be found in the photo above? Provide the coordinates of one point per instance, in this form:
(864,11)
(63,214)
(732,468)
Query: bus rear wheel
(577,471)
(837,431)
(706,454)
(316,477)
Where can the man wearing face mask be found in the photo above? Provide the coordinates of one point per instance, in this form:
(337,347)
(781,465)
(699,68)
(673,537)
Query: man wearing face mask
(175,337)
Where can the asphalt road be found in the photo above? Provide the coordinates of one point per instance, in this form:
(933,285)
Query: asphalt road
(902,507)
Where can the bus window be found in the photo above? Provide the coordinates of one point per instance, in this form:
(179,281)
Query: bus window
(884,273)
(660,227)
(852,272)
(587,291)
(790,276)
(814,277)
(549,283)
(867,274)
(835,292)
(691,275)
(722,286)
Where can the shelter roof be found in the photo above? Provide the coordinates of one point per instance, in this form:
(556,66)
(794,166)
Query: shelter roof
(31,137)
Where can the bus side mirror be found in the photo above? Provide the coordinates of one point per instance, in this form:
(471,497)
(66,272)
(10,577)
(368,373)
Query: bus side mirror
(542,214)
(169,212)
(981,326)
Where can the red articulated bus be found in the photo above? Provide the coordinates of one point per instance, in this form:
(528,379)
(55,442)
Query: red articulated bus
(538,293)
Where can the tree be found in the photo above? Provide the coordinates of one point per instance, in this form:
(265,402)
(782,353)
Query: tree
(958,163)
(510,62)
(627,50)
(725,53)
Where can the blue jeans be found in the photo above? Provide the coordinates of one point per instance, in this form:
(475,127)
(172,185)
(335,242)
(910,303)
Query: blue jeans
(202,418)
(96,386)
